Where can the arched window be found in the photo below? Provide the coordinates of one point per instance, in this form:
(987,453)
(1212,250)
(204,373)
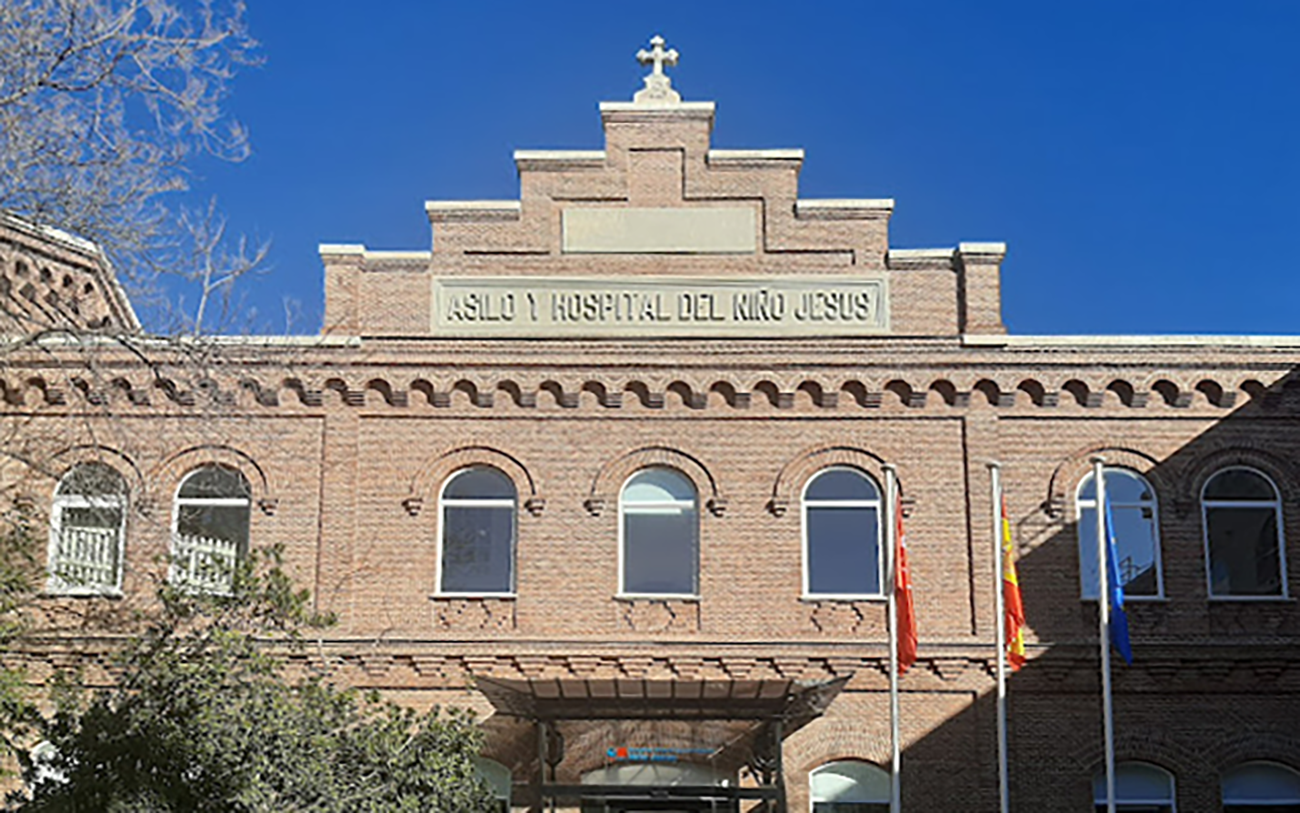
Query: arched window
(1242,512)
(1261,787)
(88,530)
(1139,788)
(1136,529)
(841,535)
(659,525)
(497,777)
(210,528)
(849,787)
(477,533)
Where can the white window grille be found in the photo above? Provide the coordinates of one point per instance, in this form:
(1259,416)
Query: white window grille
(87,531)
(210,529)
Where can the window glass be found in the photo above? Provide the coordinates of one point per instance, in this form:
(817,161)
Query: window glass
(92,480)
(214,482)
(1261,787)
(477,533)
(1139,788)
(1240,484)
(1242,514)
(849,787)
(841,484)
(1133,509)
(660,528)
(479,483)
(210,528)
(87,530)
(842,533)
(497,777)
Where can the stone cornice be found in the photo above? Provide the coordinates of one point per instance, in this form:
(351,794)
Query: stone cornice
(558,160)
(755,159)
(460,211)
(915,259)
(640,112)
(844,208)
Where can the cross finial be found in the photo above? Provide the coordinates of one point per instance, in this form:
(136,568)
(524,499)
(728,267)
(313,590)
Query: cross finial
(658,87)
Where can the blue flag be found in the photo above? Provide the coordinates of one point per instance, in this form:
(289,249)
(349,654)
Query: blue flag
(1118,618)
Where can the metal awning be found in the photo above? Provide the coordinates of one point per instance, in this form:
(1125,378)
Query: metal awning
(629,699)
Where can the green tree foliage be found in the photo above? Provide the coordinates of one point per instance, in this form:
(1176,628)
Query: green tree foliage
(203,718)
(17,576)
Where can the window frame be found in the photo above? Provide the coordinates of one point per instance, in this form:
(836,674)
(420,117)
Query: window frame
(693,504)
(59,503)
(878,504)
(216,502)
(1079,506)
(1100,777)
(1283,593)
(813,801)
(1249,803)
(475,502)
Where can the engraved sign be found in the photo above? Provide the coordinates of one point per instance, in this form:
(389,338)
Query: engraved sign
(659,306)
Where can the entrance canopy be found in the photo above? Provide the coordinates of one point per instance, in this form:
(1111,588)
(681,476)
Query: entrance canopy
(612,744)
(794,702)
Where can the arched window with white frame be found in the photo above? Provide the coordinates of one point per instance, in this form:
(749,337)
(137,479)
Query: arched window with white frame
(1261,787)
(1241,510)
(849,786)
(210,528)
(1139,788)
(1134,510)
(659,527)
(842,551)
(477,533)
(88,531)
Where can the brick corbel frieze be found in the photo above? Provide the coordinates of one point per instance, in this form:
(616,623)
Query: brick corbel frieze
(237,389)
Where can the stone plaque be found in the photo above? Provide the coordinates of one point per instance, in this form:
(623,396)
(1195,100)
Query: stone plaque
(699,230)
(659,306)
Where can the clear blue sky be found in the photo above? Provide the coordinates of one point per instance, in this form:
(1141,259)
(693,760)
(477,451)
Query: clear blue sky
(1140,159)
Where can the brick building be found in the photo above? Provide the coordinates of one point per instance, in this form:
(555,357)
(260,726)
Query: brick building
(606,464)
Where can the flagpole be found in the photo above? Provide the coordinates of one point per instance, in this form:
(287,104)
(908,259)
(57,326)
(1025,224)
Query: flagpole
(1103,632)
(1000,624)
(891,525)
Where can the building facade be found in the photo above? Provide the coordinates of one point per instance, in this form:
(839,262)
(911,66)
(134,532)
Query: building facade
(607,464)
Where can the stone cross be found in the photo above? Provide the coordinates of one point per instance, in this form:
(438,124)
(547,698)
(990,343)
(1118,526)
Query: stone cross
(658,87)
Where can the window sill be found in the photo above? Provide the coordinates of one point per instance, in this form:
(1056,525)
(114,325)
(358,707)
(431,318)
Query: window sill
(843,597)
(1249,599)
(73,593)
(1133,600)
(473,596)
(656,597)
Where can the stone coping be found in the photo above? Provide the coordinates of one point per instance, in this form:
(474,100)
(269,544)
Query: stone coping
(359,249)
(1190,340)
(843,208)
(752,158)
(444,211)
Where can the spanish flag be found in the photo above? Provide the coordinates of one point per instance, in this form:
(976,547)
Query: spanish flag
(905,611)
(1013,606)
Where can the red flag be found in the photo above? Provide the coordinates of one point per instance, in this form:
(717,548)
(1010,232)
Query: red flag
(1013,608)
(905,611)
